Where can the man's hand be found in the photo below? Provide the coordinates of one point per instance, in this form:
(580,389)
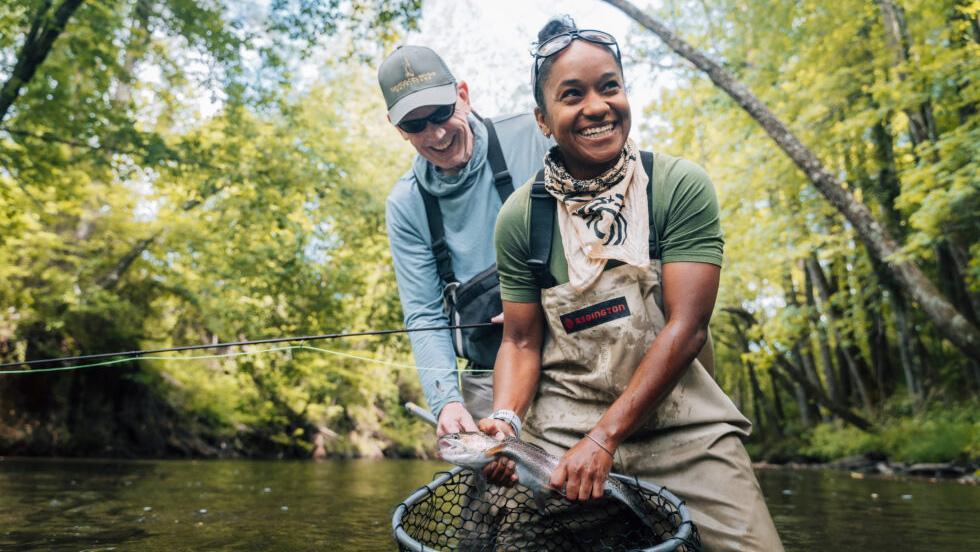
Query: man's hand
(582,471)
(501,471)
(454,418)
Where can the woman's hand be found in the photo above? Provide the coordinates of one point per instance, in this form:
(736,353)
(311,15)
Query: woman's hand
(583,470)
(501,471)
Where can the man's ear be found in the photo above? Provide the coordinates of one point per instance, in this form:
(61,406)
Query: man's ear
(463,98)
(464,93)
(542,125)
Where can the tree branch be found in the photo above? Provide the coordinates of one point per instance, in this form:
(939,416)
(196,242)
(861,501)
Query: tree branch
(800,377)
(42,34)
(951,323)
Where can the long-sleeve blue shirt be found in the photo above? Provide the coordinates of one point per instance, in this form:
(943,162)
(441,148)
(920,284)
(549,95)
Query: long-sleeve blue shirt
(469,204)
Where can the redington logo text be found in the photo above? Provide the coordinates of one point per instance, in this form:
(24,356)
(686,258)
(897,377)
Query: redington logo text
(593,315)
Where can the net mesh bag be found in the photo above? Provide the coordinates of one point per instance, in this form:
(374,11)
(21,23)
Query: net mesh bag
(453,513)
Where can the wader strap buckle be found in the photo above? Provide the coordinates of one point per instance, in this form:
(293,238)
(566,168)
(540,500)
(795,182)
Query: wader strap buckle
(449,296)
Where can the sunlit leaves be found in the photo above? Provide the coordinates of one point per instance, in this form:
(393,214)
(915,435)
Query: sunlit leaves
(154,191)
(830,73)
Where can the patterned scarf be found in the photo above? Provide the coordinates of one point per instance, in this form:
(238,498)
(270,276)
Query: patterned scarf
(600,218)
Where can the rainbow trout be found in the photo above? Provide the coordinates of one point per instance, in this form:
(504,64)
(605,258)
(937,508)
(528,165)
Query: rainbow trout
(474,450)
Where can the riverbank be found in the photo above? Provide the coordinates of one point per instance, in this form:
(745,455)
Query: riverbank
(940,439)
(877,466)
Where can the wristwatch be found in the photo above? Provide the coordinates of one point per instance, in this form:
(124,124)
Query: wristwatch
(510,417)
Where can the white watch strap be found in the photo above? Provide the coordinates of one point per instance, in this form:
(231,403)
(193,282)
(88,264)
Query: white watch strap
(510,417)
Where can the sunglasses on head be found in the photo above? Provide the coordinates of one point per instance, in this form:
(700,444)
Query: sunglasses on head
(437,117)
(557,43)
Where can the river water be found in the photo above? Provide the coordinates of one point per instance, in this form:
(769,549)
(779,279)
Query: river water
(346,505)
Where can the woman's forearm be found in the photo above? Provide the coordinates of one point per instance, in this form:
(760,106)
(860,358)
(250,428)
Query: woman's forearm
(518,366)
(689,291)
(515,377)
(670,354)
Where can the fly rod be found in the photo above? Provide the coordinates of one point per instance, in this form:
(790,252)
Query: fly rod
(240,343)
(421,413)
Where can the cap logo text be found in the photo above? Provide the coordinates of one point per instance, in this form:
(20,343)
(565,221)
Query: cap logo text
(411,81)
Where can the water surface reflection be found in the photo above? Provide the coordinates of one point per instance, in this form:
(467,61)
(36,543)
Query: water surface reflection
(346,505)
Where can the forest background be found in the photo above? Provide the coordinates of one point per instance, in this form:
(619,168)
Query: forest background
(172,172)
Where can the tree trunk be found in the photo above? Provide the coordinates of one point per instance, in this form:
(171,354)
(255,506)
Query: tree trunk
(798,376)
(833,317)
(764,416)
(922,129)
(827,363)
(842,412)
(808,412)
(887,186)
(909,364)
(779,415)
(139,40)
(758,399)
(954,326)
(111,278)
(953,258)
(802,401)
(877,342)
(922,124)
(45,28)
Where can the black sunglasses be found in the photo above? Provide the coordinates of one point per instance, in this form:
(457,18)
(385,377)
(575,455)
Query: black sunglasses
(437,117)
(557,43)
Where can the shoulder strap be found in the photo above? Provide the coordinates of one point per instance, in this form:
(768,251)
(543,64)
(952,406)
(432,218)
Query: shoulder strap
(646,157)
(433,215)
(542,223)
(543,219)
(501,176)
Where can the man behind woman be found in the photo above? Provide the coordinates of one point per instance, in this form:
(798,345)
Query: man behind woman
(601,335)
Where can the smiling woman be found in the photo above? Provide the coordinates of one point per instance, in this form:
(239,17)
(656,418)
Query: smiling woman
(589,106)
(624,291)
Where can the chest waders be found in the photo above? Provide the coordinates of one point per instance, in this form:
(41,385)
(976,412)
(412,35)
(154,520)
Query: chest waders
(594,341)
(476,300)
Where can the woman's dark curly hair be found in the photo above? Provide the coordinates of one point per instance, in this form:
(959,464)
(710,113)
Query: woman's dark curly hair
(555,26)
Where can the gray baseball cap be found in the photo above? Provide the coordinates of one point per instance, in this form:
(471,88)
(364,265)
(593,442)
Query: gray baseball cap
(413,77)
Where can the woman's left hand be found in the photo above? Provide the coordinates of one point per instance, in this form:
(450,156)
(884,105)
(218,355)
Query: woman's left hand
(582,471)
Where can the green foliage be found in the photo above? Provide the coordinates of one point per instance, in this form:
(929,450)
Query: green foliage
(163,183)
(835,440)
(832,74)
(942,433)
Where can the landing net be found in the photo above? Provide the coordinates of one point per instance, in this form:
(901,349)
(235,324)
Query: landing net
(451,513)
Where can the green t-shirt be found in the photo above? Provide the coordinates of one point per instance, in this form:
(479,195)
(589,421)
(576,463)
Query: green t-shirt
(685,211)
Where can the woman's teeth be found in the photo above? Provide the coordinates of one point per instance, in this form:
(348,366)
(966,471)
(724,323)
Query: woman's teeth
(595,132)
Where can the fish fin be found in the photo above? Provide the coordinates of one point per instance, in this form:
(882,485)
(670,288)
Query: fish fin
(494,450)
(481,482)
(539,499)
(631,498)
